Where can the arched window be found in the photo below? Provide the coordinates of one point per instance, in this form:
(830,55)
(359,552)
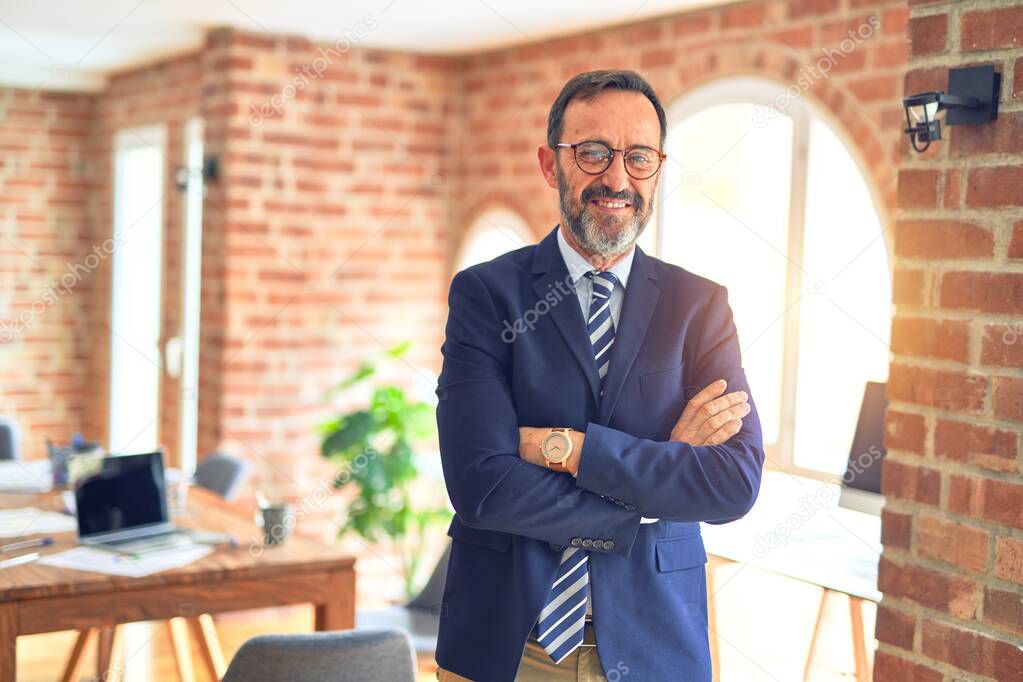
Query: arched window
(761,195)
(493,233)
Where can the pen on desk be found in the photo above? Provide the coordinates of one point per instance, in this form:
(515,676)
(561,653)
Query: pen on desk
(18,560)
(37,542)
(127,557)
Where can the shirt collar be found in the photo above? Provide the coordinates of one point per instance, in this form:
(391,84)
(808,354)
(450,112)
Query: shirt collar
(579,266)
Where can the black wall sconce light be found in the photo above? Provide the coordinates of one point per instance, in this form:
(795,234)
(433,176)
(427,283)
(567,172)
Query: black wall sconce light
(972,99)
(210,171)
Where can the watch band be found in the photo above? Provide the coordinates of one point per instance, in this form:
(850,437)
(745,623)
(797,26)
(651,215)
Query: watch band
(556,466)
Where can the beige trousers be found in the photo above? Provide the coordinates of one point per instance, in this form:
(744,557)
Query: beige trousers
(582,665)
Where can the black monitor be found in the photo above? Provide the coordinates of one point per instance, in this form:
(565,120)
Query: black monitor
(119,497)
(861,482)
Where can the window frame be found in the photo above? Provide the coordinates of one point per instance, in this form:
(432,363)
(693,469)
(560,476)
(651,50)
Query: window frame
(802,112)
(486,221)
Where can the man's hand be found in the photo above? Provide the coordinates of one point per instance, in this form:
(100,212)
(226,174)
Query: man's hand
(711,418)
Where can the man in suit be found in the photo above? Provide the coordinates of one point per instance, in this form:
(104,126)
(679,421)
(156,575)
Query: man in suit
(584,426)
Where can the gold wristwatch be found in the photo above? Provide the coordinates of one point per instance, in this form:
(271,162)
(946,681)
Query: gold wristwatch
(556,448)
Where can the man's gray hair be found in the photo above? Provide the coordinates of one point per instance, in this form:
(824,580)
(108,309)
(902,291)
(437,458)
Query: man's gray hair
(586,86)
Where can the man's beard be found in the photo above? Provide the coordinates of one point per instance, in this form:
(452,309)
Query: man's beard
(588,227)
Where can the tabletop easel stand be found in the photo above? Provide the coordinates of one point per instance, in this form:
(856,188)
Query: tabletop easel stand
(855,617)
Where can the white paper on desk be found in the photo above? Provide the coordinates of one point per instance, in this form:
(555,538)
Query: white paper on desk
(30,521)
(99,561)
(34,476)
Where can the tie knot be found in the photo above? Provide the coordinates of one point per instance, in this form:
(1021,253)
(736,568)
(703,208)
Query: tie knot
(603,283)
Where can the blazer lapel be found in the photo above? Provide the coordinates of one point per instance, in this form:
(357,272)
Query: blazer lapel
(566,313)
(641,295)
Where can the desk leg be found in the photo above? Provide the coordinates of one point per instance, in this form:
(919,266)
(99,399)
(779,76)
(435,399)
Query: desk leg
(106,648)
(205,632)
(73,669)
(177,631)
(859,642)
(339,612)
(825,593)
(8,642)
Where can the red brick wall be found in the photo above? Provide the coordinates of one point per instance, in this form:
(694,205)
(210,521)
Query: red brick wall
(507,93)
(326,233)
(46,173)
(952,569)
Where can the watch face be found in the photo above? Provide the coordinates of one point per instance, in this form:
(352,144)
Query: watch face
(556,446)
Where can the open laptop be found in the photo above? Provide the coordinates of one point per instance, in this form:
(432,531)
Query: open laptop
(121,503)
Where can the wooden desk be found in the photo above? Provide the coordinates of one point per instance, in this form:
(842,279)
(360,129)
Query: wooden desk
(36,598)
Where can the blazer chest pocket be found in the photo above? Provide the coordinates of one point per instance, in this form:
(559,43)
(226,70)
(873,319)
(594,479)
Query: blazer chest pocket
(663,397)
(665,383)
(679,553)
(491,539)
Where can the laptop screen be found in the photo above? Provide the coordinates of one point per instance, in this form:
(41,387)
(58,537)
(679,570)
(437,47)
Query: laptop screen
(119,493)
(863,470)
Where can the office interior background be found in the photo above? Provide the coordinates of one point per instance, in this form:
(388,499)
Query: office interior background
(213,213)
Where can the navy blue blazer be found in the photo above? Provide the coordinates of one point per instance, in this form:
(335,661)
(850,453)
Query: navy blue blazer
(516,353)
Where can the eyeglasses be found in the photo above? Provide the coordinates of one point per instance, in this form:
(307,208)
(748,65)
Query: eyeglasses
(593,158)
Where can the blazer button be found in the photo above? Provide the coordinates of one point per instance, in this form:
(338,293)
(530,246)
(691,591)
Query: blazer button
(609,544)
(576,542)
(587,542)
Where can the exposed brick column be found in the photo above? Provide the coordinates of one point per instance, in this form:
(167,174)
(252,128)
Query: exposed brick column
(952,568)
(323,236)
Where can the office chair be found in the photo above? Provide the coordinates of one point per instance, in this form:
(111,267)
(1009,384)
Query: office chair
(10,439)
(348,656)
(223,474)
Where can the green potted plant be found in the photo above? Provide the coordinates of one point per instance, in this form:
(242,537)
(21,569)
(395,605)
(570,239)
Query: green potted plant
(374,448)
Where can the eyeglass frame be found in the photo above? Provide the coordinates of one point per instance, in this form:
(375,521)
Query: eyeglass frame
(660,155)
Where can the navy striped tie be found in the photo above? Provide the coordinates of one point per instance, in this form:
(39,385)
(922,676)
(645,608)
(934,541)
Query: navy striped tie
(599,324)
(560,626)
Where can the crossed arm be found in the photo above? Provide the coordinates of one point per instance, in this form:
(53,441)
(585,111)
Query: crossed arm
(708,419)
(493,488)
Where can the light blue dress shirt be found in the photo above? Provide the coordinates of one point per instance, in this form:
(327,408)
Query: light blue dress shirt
(579,266)
(577,269)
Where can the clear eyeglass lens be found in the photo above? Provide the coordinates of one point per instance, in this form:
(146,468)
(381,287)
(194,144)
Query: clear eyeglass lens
(642,161)
(593,156)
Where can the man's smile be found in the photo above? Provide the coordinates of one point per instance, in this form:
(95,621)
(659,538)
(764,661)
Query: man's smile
(614,206)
